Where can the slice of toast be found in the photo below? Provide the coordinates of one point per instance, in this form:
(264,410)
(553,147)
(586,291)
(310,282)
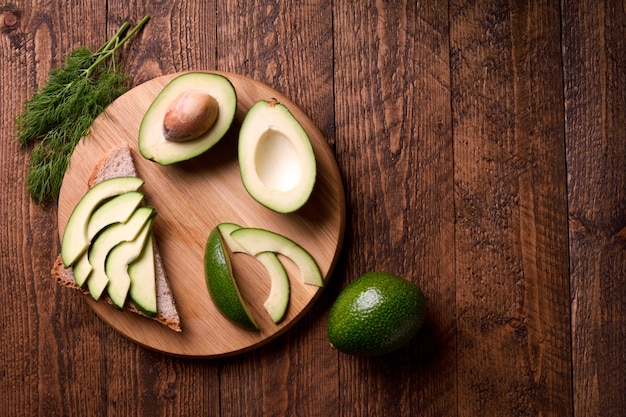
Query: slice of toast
(119,163)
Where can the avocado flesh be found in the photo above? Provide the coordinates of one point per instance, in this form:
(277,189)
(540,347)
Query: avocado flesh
(117,265)
(81,270)
(256,241)
(116,210)
(152,142)
(276,158)
(106,241)
(221,283)
(75,240)
(278,298)
(142,274)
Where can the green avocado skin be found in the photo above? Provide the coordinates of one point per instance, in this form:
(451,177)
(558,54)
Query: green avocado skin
(376,314)
(221,285)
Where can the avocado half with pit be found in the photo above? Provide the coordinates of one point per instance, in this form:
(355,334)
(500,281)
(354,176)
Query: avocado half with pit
(276,158)
(190,115)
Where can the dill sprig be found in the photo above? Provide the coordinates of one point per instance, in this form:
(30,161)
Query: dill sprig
(62,110)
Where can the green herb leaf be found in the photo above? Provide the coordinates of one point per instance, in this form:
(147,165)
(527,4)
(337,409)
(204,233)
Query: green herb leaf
(61,111)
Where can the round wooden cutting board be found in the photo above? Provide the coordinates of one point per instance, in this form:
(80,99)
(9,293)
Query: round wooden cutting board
(191,198)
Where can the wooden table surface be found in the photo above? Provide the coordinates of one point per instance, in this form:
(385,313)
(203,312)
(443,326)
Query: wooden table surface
(483,150)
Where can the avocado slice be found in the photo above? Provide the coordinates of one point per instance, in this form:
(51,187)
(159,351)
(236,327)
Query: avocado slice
(221,283)
(142,273)
(278,298)
(256,241)
(157,143)
(117,265)
(276,158)
(116,210)
(75,238)
(107,240)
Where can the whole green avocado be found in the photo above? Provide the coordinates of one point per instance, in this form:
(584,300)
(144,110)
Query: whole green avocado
(376,314)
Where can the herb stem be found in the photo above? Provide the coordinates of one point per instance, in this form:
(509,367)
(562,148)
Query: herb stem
(114,39)
(111,50)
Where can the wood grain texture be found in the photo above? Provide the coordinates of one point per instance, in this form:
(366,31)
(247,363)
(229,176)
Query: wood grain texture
(510,199)
(392,92)
(596,155)
(35,327)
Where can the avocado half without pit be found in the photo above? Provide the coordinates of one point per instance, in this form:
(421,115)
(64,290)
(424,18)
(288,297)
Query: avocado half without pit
(190,115)
(276,158)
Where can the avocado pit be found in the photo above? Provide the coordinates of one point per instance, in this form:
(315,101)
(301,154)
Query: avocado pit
(189,116)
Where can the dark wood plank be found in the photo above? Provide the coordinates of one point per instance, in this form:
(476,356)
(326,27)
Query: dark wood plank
(392,92)
(287,46)
(179,37)
(595,68)
(510,199)
(44,338)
